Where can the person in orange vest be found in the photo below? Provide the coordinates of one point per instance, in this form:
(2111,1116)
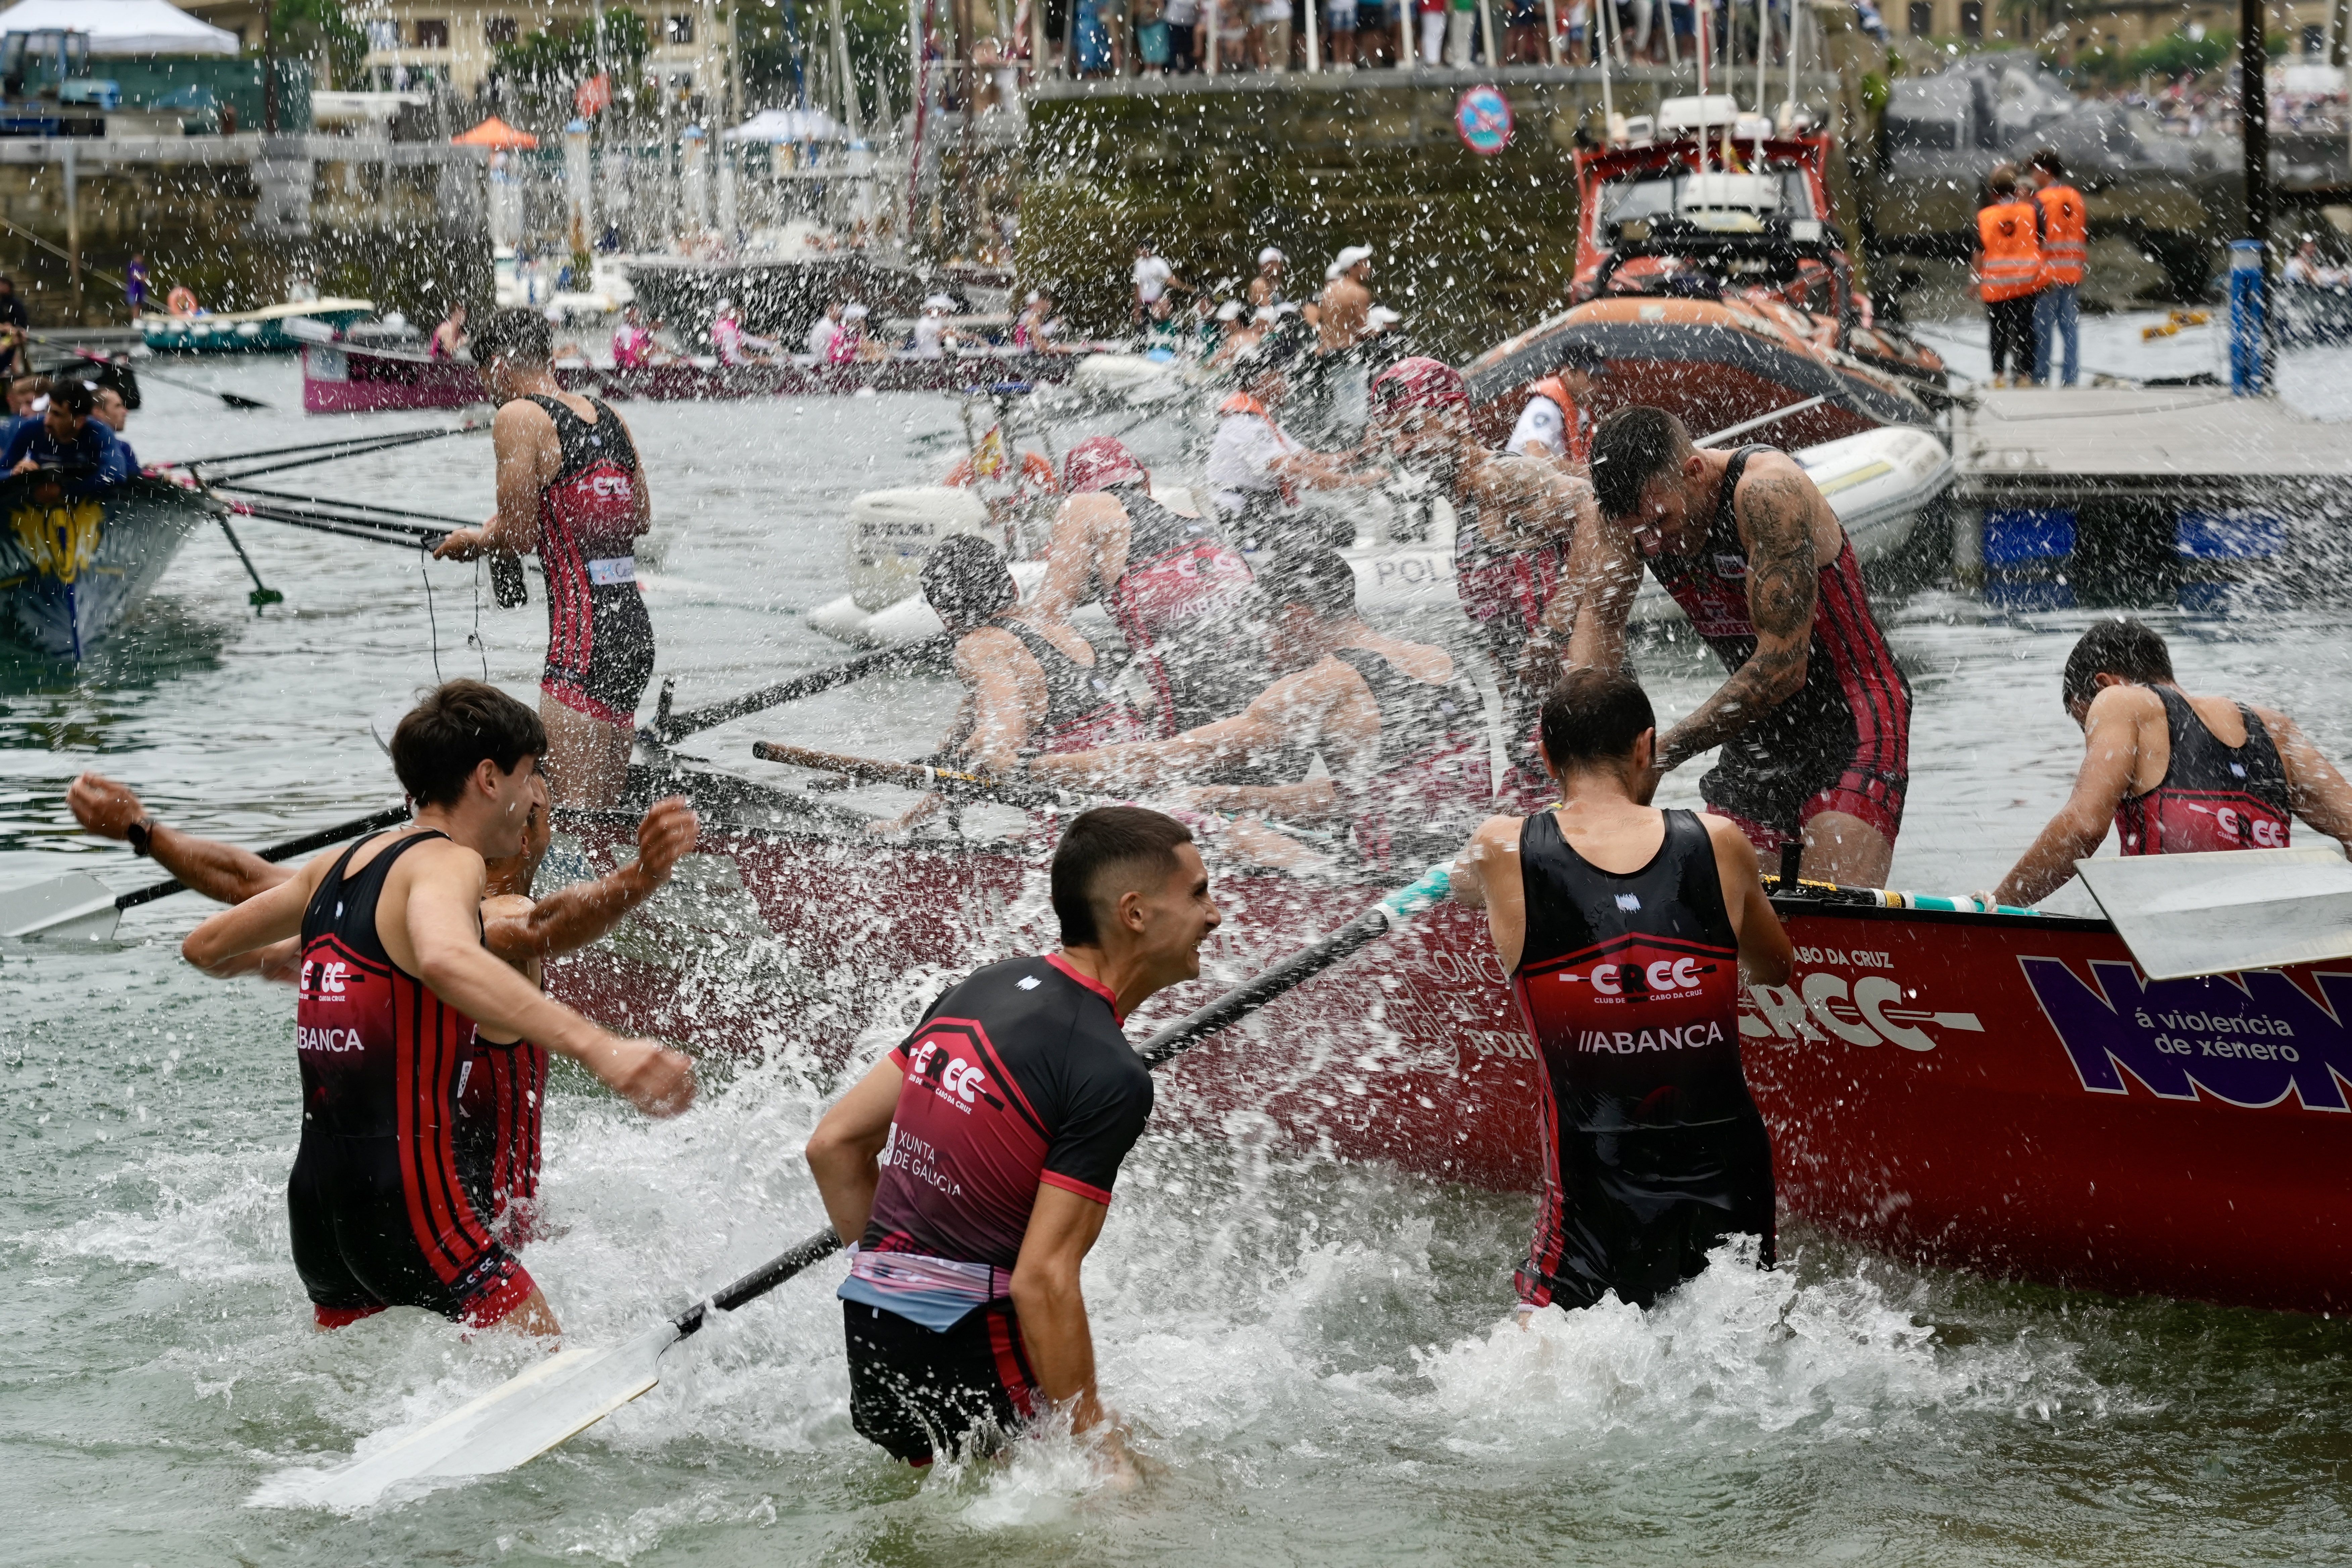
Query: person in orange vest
(2065,235)
(1556,422)
(2009,274)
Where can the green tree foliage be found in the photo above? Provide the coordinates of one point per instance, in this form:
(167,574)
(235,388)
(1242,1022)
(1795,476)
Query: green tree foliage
(542,68)
(2173,56)
(319,31)
(785,42)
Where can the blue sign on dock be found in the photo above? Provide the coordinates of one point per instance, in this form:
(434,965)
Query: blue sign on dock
(1483,116)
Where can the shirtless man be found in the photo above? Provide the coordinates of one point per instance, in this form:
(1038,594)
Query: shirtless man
(500,1103)
(1402,735)
(2174,773)
(1266,288)
(1515,517)
(570,487)
(1346,301)
(1815,720)
(394,978)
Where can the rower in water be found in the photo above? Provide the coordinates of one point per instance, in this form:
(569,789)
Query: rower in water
(570,487)
(974,1165)
(1815,720)
(392,978)
(2174,773)
(1626,931)
(1515,517)
(1402,735)
(501,1098)
(1178,591)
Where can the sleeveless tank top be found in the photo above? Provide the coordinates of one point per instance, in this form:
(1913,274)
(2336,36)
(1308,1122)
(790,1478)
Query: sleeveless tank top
(1179,571)
(2212,796)
(1631,983)
(1504,589)
(382,1056)
(1080,712)
(1850,676)
(1431,783)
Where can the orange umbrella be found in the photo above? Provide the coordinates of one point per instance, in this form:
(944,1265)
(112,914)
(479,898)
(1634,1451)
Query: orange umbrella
(495,132)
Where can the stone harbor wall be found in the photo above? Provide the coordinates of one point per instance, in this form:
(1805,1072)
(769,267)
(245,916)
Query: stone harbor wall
(239,221)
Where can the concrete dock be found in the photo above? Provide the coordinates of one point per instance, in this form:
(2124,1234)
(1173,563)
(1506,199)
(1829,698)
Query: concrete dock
(2144,495)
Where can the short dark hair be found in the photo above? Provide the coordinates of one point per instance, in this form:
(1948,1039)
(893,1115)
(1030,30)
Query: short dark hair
(457,723)
(1320,579)
(73,394)
(1098,843)
(2002,181)
(965,582)
(1632,447)
(1578,354)
(2123,647)
(2046,159)
(516,335)
(1594,716)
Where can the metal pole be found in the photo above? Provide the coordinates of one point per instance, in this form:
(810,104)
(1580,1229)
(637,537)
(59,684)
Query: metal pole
(1604,18)
(269,67)
(2254,65)
(73,225)
(1314,36)
(1486,31)
(1404,33)
(849,94)
(1551,31)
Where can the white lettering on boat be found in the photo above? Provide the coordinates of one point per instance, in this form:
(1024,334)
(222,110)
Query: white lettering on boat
(1870,1011)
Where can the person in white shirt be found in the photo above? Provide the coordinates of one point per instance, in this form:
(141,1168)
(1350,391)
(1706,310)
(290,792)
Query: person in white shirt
(732,344)
(820,335)
(1153,278)
(1255,467)
(1556,422)
(932,338)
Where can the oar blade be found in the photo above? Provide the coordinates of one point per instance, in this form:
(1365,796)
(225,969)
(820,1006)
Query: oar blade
(74,906)
(2187,915)
(510,1425)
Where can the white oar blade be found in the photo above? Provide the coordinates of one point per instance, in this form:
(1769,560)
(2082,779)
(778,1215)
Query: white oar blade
(74,905)
(510,1425)
(2186,915)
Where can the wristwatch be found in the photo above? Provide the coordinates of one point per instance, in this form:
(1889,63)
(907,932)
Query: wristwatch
(139,833)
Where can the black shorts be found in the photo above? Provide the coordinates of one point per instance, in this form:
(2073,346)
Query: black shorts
(914,1391)
(375,1225)
(602,666)
(1643,1208)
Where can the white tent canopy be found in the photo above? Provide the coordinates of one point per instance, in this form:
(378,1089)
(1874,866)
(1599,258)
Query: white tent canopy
(775,125)
(122,27)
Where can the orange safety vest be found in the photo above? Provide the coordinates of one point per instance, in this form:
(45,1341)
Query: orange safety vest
(2065,234)
(1576,433)
(2011,265)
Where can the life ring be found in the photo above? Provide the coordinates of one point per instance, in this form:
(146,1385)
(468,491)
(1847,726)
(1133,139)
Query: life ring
(182,301)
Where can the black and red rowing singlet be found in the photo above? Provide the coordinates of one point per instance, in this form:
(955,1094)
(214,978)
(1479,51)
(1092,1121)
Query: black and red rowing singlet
(1181,604)
(1505,590)
(599,641)
(1081,709)
(500,1107)
(380,1215)
(2212,796)
(1843,742)
(1432,783)
(1653,1151)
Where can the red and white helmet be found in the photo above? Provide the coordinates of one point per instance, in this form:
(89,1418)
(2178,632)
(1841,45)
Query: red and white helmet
(1418,382)
(1100,462)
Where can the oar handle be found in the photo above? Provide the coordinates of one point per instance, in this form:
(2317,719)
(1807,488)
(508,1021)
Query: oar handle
(390,817)
(1163,1046)
(930,653)
(913,775)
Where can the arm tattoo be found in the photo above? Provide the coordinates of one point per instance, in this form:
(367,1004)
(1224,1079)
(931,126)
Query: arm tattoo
(1782,585)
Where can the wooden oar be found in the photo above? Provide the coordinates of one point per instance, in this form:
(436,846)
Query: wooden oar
(917,775)
(930,653)
(2186,915)
(79,905)
(574,1389)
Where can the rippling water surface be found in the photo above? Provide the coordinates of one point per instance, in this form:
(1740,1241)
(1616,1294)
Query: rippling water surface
(1318,1359)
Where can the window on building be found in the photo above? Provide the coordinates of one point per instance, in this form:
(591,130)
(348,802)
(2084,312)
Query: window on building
(679,28)
(1971,18)
(1923,17)
(382,35)
(432,33)
(2314,38)
(497,29)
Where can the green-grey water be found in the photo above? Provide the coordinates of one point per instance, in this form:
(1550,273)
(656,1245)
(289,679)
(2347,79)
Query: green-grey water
(1319,1360)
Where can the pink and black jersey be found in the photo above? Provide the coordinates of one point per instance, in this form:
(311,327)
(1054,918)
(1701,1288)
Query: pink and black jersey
(1181,604)
(1017,1076)
(502,1106)
(1082,709)
(1653,1149)
(600,642)
(2212,796)
(1432,782)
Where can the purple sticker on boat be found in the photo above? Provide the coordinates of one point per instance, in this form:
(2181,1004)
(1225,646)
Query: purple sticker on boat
(2249,1039)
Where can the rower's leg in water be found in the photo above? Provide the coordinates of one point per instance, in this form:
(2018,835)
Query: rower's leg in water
(532,1315)
(587,760)
(1844,850)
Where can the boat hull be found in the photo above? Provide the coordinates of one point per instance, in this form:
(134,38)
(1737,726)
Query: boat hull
(1967,1091)
(250,333)
(69,570)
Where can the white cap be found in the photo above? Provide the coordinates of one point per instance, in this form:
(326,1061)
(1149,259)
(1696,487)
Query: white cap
(1268,313)
(938,302)
(1381,316)
(1231,310)
(726,305)
(1349,256)
(853,312)
(1032,298)
(1270,254)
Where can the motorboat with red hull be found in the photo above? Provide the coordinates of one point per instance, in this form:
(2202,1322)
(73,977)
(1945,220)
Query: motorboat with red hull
(1997,1092)
(1711,277)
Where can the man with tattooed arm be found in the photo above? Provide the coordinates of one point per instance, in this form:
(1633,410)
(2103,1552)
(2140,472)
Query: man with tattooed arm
(1814,721)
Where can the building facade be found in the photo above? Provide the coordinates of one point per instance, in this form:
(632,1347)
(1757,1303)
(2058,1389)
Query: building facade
(2077,27)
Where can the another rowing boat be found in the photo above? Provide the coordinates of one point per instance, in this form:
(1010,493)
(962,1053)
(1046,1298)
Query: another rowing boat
(274,329)
(1997,1092)
(342,379)
(71,569)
